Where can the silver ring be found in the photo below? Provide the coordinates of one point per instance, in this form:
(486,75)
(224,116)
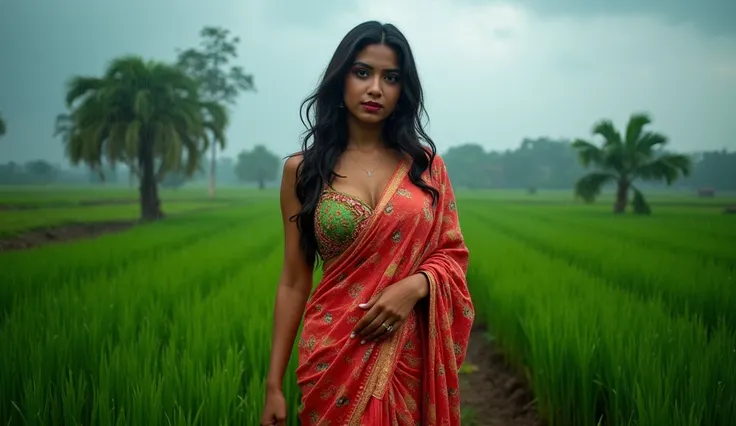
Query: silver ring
(387,327)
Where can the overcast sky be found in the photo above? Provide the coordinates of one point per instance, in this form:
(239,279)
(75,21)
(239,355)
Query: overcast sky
(493,72)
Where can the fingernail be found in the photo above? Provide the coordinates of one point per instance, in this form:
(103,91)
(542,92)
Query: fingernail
(362,342)
(362,305)
(352,335)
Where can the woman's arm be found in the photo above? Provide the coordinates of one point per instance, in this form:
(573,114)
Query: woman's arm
(295,283)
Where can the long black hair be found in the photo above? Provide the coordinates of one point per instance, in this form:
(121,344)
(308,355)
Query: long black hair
(326,137)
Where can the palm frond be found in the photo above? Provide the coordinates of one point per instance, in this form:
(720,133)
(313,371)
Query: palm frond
(63,124)
(133,137)
(116,144)
(92,150)
(607,130)
(217,115)
(639,204)
(588,153)
(648,140)
(169,148)
(79,87)
(615,158)
(125,67)
(73,148)
(589,186)
(634,129)
(143,107)
(193,156)
(668,167)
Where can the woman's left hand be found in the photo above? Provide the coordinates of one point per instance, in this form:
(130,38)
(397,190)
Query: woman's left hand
(387,310)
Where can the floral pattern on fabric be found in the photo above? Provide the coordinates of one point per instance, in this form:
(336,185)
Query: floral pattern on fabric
(411,377)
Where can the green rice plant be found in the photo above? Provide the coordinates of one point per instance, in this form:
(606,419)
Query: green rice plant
(170,323)
(60,196)
(57,194)
(647,232)
(17,221)
(29,271)
(687,285)
(177,339)
(597,353)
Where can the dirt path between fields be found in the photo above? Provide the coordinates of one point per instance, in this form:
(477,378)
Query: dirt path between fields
(62,234)
(101,202)
(73,231)
(62,204)
(490,391)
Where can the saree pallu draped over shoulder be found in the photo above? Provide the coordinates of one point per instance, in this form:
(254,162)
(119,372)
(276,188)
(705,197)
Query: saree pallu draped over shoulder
(410,377)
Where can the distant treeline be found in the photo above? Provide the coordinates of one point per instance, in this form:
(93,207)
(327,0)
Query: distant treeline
(537,163)
(544,163)
(258,166)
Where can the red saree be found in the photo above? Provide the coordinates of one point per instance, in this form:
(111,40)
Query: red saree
(411,377)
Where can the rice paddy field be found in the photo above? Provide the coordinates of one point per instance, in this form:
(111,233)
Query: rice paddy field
(615,320)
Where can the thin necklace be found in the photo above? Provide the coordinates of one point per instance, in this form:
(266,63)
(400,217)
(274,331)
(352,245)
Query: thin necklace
(367,172)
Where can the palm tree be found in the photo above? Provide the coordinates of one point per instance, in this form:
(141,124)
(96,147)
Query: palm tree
(3,128)
(64,126)
(639,155)
(146,114)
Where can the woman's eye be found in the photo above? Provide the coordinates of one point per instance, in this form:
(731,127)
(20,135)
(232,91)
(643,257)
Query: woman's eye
(361,73)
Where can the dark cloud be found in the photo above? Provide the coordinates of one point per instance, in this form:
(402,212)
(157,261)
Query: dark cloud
(305,14)
(45,42)
(715,17)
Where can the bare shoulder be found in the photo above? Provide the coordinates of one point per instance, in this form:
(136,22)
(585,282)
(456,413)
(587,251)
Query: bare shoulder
(289,202)
(292,164)
(289,175)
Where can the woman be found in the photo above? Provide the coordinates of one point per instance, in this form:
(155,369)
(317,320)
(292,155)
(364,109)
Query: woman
(387,327)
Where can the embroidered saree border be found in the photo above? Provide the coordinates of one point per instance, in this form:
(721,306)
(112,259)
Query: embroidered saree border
(432,338)
(378,376)
(379,373)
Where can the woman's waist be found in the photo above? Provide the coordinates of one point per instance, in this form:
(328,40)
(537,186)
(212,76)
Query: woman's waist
(359,280)
(321,344)
(326,314)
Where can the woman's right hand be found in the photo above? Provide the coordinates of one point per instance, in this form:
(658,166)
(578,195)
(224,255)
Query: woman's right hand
(274,412)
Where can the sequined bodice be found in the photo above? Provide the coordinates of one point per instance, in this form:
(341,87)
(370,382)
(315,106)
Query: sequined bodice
(338,220)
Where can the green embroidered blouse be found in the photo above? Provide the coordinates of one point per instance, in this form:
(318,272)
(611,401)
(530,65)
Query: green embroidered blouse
(338,220)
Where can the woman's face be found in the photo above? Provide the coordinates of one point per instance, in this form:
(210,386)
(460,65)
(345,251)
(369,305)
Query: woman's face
(373,84)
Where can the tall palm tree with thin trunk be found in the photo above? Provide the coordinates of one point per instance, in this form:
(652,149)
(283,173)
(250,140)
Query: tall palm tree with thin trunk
(639,154)
(3,127)
(146,114)
(208,65)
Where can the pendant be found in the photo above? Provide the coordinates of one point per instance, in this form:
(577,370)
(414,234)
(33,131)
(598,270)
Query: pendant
(370,174)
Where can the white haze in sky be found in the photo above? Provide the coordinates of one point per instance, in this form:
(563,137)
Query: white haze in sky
(493,73)
(496,73)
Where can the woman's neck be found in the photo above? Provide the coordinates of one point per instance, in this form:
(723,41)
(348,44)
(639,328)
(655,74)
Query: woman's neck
(364,137)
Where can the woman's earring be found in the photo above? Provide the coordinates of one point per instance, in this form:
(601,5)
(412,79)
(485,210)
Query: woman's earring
(341,105)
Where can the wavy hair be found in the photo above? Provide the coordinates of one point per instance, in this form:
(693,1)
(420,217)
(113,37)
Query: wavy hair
(326,137)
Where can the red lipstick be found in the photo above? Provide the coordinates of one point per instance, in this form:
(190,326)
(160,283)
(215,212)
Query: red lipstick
(372,107)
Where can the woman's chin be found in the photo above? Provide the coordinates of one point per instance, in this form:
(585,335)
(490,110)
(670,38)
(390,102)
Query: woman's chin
(367,118)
